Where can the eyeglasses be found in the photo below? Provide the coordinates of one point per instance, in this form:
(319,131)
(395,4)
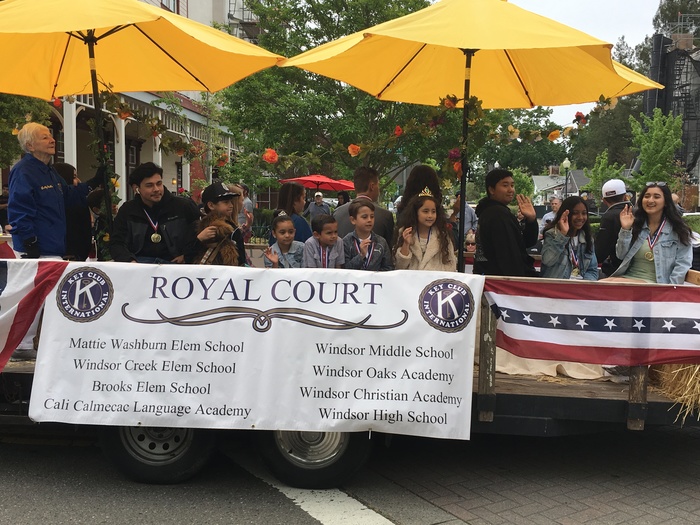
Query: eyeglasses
(470,244)
(661,184)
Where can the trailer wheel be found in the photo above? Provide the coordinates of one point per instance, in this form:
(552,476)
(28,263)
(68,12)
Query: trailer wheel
(314,459)
(158,454)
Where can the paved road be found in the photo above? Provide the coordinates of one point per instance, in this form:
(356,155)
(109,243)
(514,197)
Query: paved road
(613,478)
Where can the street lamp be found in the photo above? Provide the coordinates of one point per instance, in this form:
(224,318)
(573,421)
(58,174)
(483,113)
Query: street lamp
(566,165)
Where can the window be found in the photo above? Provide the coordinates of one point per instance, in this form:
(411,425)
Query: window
(170,5)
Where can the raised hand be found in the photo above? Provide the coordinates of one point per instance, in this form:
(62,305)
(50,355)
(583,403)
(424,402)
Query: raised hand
(563,224)
(364,246)
(626,217)
(526,207)
(272,257)
(407,236)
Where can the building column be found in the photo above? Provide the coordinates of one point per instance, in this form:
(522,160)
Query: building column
(120,156)
(70,135)
(186,176)
(157,153)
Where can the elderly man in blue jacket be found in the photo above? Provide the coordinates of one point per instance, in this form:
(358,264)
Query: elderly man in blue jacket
(39,196)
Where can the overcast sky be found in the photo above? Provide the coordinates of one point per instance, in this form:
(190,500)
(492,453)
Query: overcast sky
(604,19)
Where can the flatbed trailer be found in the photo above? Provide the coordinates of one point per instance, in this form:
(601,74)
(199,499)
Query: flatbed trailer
(502,404)
(543,406)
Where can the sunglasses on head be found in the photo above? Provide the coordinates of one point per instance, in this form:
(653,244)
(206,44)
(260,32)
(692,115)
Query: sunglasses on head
(660,184)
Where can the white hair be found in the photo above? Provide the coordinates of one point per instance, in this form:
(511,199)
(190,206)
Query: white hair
(29,133)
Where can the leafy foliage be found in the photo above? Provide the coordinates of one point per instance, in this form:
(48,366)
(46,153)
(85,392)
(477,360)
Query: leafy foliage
(529,151)
(310,120)
(656,139)
(601,172)
(609,132)
(15,111)
(666,18)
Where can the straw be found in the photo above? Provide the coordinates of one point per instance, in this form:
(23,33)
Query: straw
(681,384)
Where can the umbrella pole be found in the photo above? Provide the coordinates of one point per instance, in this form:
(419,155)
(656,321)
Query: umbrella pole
(101,144)
(468,53)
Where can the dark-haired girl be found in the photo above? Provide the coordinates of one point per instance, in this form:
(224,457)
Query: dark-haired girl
(654,243)
(567,250)
(292,198)
(424,241)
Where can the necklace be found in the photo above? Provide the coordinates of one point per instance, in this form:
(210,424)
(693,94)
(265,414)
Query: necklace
(651,240)
(424,243)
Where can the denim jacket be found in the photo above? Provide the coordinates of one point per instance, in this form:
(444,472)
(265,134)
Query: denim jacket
(556,261)
(672,258)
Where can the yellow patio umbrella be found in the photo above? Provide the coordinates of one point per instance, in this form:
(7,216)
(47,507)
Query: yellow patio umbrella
(52,48)
(502,54)
(46,48)
(519,59)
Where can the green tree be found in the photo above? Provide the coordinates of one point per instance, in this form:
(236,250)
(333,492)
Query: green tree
(316,118)
(601,172)
(608,131)
(524,152)
(656,139)
(15,111)
(666,18)
(523,183)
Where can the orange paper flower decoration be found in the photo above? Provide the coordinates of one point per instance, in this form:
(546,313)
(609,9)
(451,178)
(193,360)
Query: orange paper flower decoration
(354,150)
(554,135)
(270,156)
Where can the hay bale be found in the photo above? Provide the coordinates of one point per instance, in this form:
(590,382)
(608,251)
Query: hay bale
(681,384)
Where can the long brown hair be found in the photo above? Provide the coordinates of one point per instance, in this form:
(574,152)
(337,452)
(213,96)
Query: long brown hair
(409,219)
(289,194)
(673,216)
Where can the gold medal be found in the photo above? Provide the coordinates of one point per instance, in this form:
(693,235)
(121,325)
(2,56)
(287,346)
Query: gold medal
(155,238)
(649,256)
(575,272)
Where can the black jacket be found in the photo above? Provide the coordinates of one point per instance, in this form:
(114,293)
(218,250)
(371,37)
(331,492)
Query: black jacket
(606,239)
(177,221)
(501,242)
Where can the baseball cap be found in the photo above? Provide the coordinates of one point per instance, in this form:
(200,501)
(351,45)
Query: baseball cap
(217,192)
(613,187)
(318,194)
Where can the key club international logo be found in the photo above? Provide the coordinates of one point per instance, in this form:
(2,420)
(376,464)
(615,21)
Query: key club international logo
(447,305)
(84,295)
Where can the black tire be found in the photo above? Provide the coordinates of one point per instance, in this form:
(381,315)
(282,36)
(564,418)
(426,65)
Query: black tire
(314,460)
(160,455)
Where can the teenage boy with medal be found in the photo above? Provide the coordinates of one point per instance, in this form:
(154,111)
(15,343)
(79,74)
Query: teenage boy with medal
(654,243)
(155,226)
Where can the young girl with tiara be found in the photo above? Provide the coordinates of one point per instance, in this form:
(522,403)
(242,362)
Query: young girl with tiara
(423,241)
(286,252)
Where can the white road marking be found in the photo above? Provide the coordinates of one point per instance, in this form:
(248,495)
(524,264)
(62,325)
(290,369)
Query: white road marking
(330,507)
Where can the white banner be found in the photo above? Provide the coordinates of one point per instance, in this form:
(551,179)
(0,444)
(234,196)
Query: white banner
(243,348)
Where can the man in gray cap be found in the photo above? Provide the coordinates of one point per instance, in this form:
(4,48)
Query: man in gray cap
(615,197)
(317,207)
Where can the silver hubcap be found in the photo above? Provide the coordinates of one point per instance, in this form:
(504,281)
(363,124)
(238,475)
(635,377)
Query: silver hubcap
(156,445)
(312,450)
